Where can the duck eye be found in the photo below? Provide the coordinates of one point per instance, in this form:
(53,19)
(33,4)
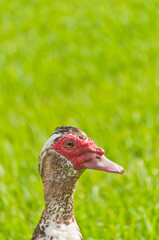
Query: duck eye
(69,144)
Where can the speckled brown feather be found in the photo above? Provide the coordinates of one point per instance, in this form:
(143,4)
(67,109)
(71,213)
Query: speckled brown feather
(59,178)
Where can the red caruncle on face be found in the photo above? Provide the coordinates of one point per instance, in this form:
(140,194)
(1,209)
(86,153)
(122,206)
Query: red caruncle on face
(77,150)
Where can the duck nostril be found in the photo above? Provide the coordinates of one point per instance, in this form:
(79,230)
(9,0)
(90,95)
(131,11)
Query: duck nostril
(98,157)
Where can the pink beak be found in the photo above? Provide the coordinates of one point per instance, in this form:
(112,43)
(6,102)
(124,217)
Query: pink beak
(99,162)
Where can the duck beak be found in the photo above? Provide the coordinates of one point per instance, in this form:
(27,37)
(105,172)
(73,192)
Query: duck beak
(99,162)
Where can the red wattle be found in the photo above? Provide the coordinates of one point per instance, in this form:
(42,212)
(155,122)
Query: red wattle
(80,153)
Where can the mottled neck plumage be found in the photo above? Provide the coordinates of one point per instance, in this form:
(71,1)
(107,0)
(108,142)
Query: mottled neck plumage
(59,181)
(58,194)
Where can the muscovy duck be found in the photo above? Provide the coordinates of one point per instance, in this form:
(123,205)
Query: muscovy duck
(64,157)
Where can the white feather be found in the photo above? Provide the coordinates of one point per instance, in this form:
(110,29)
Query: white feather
(51,140)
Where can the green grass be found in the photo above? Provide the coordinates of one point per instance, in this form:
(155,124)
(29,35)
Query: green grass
(94,65)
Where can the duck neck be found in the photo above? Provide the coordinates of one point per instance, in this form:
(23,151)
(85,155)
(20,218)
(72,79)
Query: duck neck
(58,195)
(57,218)
(59,178)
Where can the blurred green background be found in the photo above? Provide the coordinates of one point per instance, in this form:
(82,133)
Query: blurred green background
(94,65)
